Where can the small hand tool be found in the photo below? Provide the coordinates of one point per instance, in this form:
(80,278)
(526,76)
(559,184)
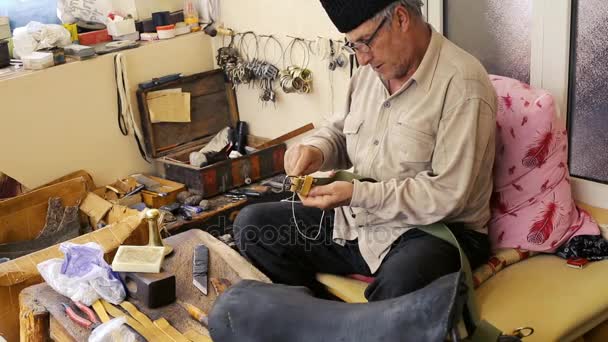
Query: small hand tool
(91,320)
(200,268)
(195,313)
(220,285)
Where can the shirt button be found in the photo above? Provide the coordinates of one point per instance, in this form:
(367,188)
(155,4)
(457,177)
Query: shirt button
(376,142)
(387,104)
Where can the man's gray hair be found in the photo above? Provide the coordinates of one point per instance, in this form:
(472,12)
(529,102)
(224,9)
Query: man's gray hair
(413,6)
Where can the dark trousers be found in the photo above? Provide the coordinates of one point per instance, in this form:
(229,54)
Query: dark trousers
(266,235)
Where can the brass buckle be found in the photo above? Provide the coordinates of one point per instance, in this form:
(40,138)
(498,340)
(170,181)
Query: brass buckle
(301,184)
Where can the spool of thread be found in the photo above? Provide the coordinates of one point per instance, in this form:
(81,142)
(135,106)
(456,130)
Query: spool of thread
(161,18)
(165,32)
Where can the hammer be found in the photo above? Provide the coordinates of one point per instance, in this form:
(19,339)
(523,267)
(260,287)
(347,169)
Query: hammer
(151,289)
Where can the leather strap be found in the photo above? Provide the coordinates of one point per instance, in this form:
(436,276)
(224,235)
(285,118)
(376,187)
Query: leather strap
(342,176)
(143,320)
(115,312)
(170,331)
(303,184)
(196,337)
(484,331)
(101,313)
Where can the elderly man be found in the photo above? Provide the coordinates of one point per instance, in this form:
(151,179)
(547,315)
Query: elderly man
(420,120)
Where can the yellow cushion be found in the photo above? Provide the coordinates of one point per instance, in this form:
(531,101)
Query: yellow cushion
(559,302)
(347,289)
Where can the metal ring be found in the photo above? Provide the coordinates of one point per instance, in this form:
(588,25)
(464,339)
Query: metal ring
(523,332)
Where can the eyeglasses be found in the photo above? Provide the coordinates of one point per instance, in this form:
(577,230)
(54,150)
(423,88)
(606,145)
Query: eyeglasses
(365,45)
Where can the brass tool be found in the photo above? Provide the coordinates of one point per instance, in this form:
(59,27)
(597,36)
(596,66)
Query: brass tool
(146,259)
(154,239)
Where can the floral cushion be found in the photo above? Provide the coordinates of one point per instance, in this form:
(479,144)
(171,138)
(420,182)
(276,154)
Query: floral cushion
(532,205)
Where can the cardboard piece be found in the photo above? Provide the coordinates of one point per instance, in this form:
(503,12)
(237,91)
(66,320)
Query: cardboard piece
(95,207)
(125,226)
(23,217)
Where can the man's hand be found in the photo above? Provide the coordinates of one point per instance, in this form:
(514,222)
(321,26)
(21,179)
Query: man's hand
(301,160)
(329,196)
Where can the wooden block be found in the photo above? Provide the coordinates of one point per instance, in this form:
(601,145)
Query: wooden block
(138,259)
(33,319)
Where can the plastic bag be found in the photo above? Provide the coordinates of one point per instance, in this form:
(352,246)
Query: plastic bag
(36,36)
(114,330)
(69,11)
(208,10)
(83,275)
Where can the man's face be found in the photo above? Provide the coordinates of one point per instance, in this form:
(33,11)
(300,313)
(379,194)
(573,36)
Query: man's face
(389,49)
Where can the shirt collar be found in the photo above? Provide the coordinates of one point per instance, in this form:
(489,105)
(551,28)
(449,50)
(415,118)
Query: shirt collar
(426,70)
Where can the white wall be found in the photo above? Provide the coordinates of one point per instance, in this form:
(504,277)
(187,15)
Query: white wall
(62,119)
(305,19)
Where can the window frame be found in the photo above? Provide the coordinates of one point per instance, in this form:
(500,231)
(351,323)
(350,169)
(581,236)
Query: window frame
(552,22)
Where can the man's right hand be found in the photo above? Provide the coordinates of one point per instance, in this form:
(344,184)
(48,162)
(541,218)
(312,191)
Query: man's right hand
(303,160)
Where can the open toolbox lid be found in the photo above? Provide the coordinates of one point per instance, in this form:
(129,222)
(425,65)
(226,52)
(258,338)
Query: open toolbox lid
(213,107)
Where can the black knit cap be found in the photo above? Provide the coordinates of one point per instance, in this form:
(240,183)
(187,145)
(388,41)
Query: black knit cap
(349,14)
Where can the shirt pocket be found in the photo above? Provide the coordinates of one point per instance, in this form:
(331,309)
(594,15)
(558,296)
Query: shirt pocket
(415,146)
(352,131)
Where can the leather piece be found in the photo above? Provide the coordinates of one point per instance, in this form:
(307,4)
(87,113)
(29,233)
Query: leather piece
(244,312)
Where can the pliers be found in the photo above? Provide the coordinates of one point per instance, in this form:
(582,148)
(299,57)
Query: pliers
(90,322)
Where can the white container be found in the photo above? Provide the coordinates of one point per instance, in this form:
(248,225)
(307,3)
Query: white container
(181,28)
(131,36)
(5,28)
(165,32)
(38,60)
(149,36)
(121,27)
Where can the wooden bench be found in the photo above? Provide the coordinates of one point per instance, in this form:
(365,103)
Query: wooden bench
(42,315)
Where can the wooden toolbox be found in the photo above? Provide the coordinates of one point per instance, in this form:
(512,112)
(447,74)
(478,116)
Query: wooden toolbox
(213,107)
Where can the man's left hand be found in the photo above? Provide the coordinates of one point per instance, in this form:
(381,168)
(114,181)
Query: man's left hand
(329,196)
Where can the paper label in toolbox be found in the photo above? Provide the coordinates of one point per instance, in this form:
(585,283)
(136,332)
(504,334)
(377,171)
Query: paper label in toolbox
(69,11)
(170,105)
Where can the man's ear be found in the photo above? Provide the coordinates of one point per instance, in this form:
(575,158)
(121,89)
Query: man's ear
(403,18)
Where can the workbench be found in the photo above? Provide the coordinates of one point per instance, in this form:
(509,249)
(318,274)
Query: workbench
(42,315)
(222,212)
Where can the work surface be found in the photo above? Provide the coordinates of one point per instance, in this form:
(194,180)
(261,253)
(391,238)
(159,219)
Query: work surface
(223,263)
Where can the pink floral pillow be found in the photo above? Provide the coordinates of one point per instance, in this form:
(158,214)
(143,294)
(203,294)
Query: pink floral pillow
(532,205)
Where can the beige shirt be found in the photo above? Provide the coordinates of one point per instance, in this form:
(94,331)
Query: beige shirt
(430,145)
